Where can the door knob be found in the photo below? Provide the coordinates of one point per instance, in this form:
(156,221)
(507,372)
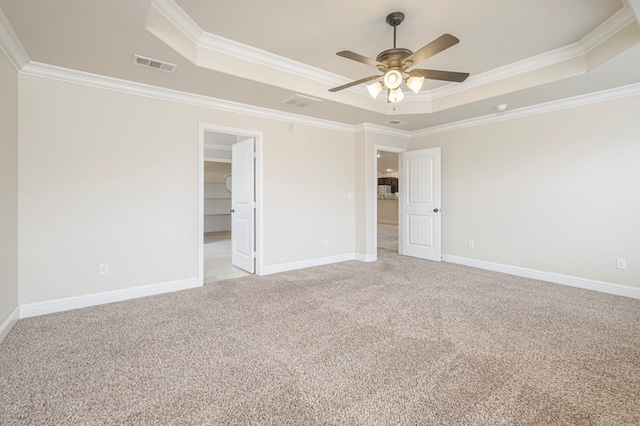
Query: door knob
(435,210)
(232,211)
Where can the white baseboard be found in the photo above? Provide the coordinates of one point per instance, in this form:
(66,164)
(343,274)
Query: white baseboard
(8,324)
(366,257)
(68,303)
(601,286)
(283,267)
(388,222)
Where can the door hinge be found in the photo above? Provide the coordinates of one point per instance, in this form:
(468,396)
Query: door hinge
(254,255)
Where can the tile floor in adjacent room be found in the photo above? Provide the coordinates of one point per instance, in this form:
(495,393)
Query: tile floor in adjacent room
(217,262)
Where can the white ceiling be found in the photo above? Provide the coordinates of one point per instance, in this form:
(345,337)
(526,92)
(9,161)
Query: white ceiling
(521,53)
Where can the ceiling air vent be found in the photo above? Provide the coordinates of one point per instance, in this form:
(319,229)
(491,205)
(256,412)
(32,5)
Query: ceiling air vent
(154,63)
(301,101)
(396,122)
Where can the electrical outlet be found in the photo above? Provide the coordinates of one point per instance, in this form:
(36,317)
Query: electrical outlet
(471,243)
(104,268)
(326,242)
(300,244)
(621,263)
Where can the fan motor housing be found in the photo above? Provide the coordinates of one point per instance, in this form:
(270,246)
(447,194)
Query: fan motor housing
(394,58)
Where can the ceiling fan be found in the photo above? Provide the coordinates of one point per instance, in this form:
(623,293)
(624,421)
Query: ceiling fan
(395,63)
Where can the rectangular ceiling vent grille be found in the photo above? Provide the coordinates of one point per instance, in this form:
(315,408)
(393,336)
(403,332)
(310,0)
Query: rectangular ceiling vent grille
(396,122)
(301,101)
(154,63)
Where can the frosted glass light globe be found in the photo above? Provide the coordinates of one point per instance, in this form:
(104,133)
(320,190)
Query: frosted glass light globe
(393,79)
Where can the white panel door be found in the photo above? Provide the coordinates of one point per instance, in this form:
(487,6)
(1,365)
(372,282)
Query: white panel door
(420,204)
(243,205)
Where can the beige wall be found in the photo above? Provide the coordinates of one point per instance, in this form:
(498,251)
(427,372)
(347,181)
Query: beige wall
(112,177)
(361,180)
(307,174)
(8,188)
(557,192)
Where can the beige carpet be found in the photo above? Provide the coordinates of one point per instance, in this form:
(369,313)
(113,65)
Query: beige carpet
(399,341)
(388,237)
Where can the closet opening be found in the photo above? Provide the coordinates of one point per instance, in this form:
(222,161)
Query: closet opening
(228,204)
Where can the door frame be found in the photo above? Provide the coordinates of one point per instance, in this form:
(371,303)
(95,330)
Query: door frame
(259,217)
(374,183)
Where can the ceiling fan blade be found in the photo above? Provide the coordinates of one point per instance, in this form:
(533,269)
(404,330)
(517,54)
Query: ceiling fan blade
(443,42)
(457,77)
(362,59)
(355,83)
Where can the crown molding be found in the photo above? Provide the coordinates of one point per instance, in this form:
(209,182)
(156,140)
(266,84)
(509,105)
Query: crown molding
(118,85)
(634,5)
(604,31)
(220,44)
(576,101)
(243,51)
(607,29)
(179,18)
(10,44)
(507,71)
(381,130)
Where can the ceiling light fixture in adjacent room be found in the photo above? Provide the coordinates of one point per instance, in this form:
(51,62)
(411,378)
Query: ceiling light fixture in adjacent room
(501,107)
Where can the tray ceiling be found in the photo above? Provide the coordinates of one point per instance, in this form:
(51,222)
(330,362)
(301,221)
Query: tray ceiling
(261,53)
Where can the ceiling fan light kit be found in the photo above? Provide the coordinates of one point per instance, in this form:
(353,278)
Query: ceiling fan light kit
(415,83)
(375,89)
(395,63)
(395,95)
(392,79)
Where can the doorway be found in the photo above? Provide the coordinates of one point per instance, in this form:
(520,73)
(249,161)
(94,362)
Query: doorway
(220,239)
(419,210)
(217,262)
(387,200)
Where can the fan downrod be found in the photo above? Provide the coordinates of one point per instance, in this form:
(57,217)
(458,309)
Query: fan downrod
(394,58)
(394,19)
